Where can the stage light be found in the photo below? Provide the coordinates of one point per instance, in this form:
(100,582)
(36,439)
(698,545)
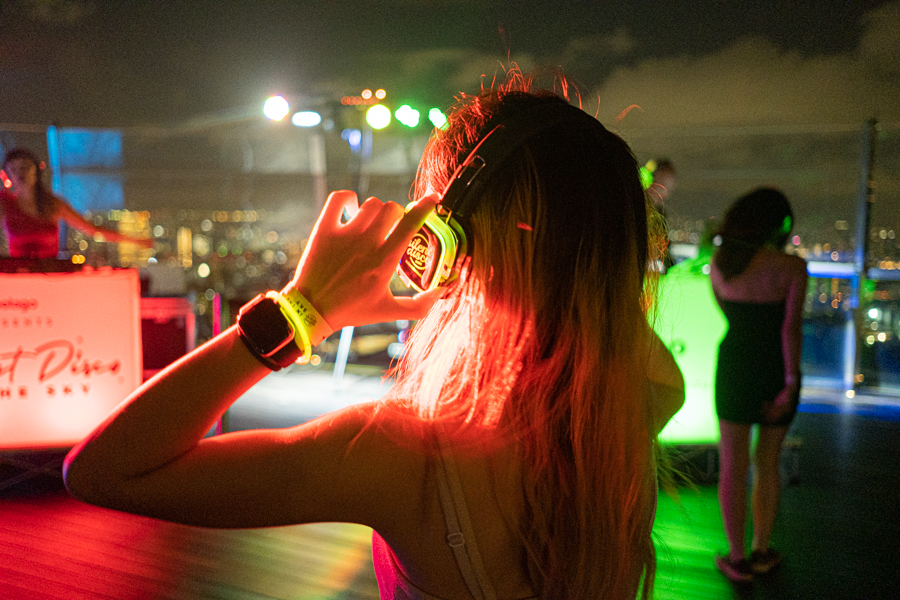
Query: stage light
(437,118)
(276,108)
(352,137)
(306,118)
(378,116)
(380,94)
(366,94)
(407,115)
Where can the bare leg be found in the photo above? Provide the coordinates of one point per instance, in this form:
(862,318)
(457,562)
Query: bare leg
(734,462)
(767,486)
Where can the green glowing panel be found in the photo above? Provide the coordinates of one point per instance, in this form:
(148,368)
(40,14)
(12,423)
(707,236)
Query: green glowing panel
(691,325)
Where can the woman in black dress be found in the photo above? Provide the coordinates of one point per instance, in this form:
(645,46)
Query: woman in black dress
(761,290)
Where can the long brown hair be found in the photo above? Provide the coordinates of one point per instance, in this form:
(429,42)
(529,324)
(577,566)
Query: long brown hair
(759,218)
(541,339)
(43,198)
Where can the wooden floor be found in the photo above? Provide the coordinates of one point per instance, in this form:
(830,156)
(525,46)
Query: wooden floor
(839,529)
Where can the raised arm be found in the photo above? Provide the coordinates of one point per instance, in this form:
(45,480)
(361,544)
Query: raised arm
(66,213)
(150,456)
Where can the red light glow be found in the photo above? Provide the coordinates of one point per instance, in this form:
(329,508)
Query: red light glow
(357,100)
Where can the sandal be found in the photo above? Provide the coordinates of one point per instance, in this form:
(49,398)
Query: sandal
(763,561)
(740,571)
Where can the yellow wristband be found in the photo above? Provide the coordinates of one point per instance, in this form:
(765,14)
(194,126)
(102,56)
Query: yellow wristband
(301,336)
(316,326)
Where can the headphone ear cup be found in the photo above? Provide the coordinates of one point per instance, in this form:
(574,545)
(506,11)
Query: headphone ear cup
(787,225)
(432,258)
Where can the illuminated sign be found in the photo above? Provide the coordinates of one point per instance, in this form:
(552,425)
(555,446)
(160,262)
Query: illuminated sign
(70,351)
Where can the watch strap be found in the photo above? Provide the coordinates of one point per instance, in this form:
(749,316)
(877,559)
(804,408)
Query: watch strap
(282,356)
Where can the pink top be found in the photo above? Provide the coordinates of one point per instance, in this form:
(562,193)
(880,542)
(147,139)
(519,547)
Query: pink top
(28,236)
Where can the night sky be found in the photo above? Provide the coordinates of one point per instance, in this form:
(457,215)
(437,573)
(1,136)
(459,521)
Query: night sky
(119,63)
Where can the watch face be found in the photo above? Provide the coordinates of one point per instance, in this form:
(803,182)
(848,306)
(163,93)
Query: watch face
(265,326)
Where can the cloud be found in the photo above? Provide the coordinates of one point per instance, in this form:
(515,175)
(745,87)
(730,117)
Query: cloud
(751,82)
(590,48)
(54,12)
(880,43)
(752,114)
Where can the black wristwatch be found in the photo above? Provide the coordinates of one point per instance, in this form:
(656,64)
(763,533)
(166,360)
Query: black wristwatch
(267,333)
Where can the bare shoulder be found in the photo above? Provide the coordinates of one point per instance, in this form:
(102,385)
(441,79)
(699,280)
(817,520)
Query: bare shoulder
(61,208)
(372,427)
(770,256)
(796,264)
(381,453)
(384,438)
(780,262)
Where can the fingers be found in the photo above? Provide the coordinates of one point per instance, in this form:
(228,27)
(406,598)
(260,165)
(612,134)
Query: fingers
(421,209)
(386,220)
(413,220)
(335,205)
(373,213)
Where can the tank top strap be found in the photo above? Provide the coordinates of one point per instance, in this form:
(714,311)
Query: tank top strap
(460,533)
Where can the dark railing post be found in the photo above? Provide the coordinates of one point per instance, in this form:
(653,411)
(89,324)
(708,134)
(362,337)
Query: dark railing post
(865,198)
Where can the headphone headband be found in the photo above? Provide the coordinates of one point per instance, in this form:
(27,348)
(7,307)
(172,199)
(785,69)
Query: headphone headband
(436,253)
(492,151)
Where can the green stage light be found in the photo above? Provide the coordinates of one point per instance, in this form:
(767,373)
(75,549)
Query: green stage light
(378,116)
(437,118)
(407,115)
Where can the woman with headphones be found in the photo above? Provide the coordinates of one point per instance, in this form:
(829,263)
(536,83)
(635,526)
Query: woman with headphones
(761,290)
(516,454)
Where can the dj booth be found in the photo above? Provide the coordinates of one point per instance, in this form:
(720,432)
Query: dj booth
(71,348)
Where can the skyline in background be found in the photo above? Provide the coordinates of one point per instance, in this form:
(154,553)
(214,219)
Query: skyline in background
(811,73)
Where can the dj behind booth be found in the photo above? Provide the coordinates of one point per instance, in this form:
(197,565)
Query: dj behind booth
(74,342)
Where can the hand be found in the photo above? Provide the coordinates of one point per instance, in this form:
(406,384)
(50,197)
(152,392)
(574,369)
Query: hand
(782,405)
(346,268)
